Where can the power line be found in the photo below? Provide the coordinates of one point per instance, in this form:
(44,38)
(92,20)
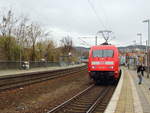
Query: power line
(105,14)
(98,17)
(92,37)
(84,42)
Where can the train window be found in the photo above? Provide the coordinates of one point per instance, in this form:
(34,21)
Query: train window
(97,53)
(103,53)
(108,53)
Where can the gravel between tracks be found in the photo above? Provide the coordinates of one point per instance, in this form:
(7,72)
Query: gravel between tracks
(40,97)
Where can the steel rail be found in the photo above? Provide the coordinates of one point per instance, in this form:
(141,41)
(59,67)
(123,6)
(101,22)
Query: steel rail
(8,82)
(99,100)
(84,105)
(66,102)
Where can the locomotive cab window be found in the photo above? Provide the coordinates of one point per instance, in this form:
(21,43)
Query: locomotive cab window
(103,53)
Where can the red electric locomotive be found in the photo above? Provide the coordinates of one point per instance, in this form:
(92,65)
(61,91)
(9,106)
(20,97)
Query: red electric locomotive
(103,64)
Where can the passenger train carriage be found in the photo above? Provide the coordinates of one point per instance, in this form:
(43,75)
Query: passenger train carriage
(103,63)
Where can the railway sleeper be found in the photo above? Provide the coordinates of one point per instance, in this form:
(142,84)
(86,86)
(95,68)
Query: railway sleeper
(86,100)
(83,103)
(75,111)
(79,105)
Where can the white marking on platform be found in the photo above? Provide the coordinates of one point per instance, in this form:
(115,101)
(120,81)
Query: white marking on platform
(114,100)
(137,103)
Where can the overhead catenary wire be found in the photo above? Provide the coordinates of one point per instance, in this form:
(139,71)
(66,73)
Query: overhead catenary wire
(105,14)
(85,43)
(98,17)
(96,14)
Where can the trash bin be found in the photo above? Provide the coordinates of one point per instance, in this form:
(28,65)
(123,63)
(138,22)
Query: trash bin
(25,65)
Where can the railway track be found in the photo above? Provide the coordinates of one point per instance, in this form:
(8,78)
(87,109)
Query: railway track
(94,99)
(18,80)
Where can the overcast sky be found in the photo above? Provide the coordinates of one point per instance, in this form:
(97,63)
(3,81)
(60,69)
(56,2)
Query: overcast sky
(77,18)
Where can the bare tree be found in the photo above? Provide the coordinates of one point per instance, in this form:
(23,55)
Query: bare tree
(20,31)
(19,35)
(34,33)
(49,50)
(40,49)
(66,44)
(7,23)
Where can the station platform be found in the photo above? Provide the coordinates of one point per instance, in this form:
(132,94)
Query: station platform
(129,96)
(40,69)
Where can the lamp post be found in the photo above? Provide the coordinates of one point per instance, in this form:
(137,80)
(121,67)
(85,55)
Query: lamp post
(146,52)
(140,35)
(96,40)
(19,42)
(20,57)
(148,65)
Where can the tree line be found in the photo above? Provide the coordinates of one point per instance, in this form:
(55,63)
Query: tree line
(20,38)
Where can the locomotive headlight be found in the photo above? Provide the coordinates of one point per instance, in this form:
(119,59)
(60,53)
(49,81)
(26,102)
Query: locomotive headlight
(93,67)
(111,67)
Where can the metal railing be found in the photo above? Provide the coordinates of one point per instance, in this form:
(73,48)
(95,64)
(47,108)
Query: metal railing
(32,64)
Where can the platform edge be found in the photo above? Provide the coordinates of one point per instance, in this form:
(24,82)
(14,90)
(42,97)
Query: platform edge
(114,100)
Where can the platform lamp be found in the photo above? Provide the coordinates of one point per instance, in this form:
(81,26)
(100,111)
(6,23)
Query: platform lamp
(140,35)
(148,64)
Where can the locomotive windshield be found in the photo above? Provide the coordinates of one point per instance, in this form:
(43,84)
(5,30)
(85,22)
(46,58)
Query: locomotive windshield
(103,53)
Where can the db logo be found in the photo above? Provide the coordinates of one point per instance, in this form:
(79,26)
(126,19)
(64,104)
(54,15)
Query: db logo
(102,62)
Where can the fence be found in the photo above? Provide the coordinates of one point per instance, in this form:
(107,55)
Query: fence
(33,64)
